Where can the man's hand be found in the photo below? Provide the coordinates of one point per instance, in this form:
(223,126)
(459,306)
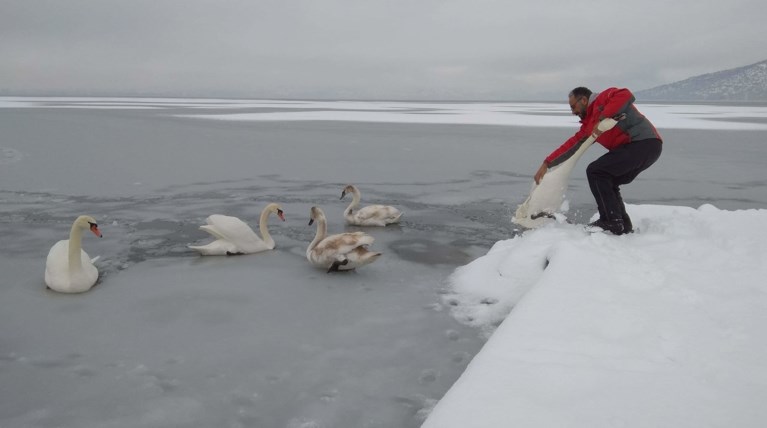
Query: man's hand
(540,173)
(596,132)
(603,126)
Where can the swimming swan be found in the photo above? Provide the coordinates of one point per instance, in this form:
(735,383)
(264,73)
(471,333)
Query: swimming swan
(234,237)
(344,251)
(68,269)
(371,215)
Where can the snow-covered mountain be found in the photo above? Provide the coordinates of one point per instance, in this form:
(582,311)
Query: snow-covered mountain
(747,83)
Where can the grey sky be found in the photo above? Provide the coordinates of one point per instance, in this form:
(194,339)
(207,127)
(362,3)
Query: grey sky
(394,49)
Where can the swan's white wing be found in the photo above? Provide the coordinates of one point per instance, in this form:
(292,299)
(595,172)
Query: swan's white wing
(89,273)
(227,227)
(57,263)
(212,230)
(231,229)
(234,236)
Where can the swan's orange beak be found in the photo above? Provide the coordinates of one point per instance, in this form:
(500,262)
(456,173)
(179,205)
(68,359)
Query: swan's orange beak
(281,215)
(95,230)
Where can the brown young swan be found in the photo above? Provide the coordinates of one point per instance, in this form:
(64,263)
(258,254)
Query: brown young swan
(371,215)
(344,251)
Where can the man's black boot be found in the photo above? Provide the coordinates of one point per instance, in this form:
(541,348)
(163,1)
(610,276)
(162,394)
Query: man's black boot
(613,226)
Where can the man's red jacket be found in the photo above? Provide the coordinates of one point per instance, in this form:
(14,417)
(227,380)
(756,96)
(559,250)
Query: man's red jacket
(611,102)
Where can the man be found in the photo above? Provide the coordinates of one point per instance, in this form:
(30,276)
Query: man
(634,144)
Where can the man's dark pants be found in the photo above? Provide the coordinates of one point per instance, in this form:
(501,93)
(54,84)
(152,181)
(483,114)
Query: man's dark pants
(616,168)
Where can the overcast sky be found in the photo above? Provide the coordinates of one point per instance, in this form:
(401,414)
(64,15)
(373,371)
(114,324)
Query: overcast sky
(369,49)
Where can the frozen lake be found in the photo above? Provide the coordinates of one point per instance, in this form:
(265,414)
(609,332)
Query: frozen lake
(170,339)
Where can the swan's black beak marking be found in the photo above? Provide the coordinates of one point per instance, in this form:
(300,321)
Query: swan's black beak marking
(311,221)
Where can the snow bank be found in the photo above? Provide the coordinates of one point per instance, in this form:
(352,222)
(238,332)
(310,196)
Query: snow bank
(664,327)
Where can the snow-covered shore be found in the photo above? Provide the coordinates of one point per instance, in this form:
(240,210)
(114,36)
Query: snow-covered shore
(664,327)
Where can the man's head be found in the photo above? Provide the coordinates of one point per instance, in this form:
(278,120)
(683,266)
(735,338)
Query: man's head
(579,101)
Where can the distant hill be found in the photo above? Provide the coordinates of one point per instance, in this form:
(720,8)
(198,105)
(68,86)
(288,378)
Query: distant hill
(747,83)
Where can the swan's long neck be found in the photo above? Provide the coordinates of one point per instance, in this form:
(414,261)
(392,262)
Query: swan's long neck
(355,202)
(264,229)
(75,249)
(322,231)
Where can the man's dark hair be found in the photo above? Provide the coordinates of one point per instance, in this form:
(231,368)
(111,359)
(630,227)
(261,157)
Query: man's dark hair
(580,91)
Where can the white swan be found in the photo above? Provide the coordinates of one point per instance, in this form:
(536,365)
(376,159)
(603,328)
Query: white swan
(344,251)
(547,197)
(234,237)
(371,215)
(68,269)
